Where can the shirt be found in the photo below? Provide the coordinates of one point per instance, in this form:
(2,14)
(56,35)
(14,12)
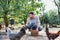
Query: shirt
(34,20)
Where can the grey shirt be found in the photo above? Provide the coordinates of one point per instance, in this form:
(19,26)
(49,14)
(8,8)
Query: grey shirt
(34,20)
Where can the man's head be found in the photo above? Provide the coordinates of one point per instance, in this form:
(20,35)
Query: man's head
(31,14)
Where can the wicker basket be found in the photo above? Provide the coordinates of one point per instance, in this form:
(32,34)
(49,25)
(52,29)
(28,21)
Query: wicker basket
(34,32)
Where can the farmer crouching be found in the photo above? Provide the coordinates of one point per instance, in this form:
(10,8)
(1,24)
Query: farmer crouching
(33,22)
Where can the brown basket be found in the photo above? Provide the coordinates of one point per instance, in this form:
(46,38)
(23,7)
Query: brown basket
(34,32)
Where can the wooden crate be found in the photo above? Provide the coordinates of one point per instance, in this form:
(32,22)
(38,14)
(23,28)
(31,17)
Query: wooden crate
(34,32)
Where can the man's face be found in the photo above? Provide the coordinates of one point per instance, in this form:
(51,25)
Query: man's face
(31,15)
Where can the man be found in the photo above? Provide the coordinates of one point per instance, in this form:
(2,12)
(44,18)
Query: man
(12,21)
(12,24)
(33,22)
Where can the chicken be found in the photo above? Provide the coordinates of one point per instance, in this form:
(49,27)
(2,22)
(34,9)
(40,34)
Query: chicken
(17,36)
(52,36)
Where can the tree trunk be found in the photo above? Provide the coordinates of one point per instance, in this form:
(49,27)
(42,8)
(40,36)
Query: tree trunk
(6,19)
(59,12)
(58,6)
(25,19)
(59,16)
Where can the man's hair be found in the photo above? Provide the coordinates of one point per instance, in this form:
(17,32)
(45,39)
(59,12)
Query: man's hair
(31,13)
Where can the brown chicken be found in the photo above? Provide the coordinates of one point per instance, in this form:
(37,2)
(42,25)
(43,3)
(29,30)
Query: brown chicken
(52,36)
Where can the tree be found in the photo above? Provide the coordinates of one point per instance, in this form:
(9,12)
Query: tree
(4,4)
(53,17)
(17,9)
(44,18)
(57,3)
(50,17)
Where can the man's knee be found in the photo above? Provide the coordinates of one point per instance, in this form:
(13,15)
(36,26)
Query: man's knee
(40,28)
(34,27)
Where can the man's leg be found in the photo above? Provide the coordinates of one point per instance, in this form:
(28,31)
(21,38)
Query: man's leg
(34,27)
(30,25)
(40,28)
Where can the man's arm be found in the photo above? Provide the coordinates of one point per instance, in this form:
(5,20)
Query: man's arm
(38,22)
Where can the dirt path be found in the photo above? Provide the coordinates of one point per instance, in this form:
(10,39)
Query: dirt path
(42,35)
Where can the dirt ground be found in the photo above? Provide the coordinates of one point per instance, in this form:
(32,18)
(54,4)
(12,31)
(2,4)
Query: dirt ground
(27,36)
